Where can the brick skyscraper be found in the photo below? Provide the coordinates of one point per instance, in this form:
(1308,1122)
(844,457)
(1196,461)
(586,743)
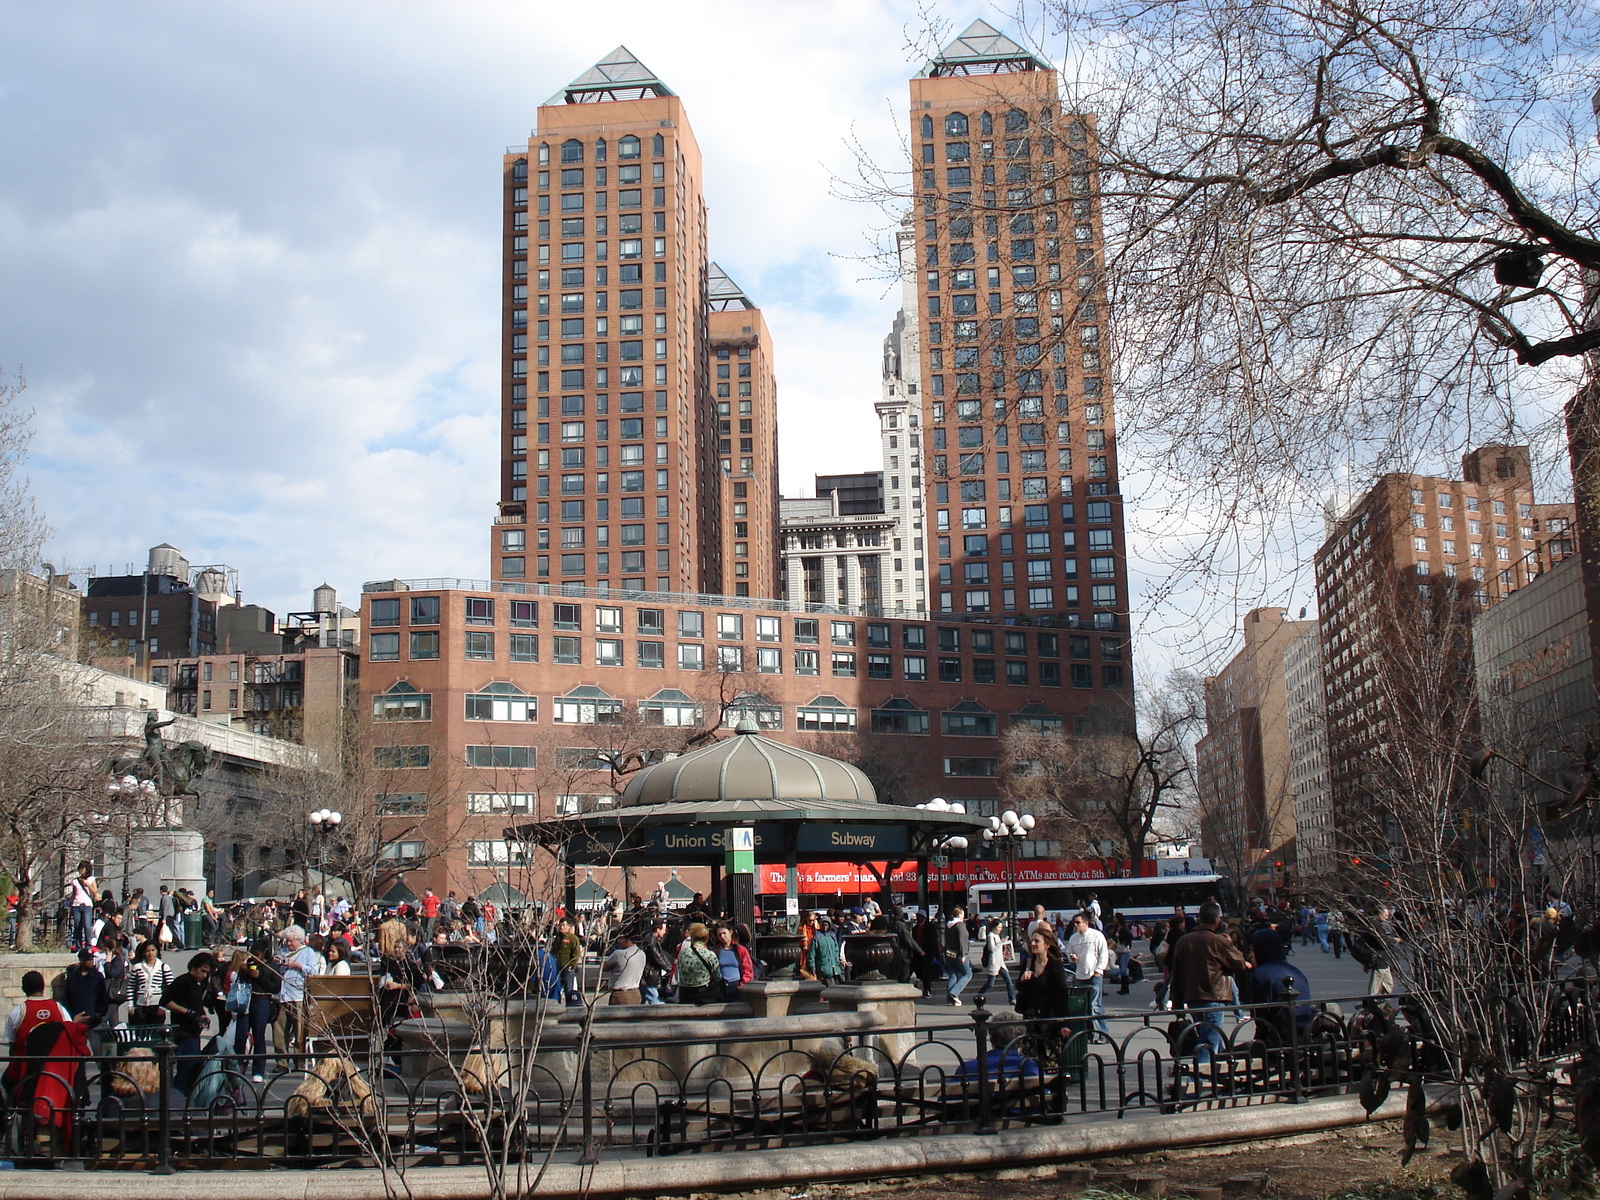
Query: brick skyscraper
(1021,482)
(613,480)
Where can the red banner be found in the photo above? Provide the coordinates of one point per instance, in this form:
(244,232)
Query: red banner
(832,879)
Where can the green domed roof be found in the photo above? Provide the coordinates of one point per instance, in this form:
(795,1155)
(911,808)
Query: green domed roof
(748,766)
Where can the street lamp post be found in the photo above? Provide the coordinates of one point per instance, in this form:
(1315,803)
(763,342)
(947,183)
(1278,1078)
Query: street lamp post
(942,845)
(323,822)
(1005,833)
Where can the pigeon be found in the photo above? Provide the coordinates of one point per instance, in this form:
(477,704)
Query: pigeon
(1374,1091)
(1414,1129)
(1473,1179)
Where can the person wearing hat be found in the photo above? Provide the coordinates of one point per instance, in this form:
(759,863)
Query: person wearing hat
(84,989)
(623,970)
(1270,977)
(822,956)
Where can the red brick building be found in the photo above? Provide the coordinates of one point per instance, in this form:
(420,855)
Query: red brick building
(496,701)
(1016,402)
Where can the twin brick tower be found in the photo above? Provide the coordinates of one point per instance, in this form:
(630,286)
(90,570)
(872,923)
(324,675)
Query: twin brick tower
(640,422)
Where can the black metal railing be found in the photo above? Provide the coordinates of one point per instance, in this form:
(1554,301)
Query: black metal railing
(584,1089)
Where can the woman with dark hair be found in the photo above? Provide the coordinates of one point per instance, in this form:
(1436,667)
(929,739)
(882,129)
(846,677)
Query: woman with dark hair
(697,964)
(252,1025)
(1042,990)
(148,979)
(338,956)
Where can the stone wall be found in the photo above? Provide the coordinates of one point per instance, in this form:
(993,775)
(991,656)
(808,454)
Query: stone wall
(14,966)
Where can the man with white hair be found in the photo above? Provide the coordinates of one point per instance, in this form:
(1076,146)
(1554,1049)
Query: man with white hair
(296,962)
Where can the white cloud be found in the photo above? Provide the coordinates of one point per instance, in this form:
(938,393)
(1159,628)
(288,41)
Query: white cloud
(251,259)
(251,256)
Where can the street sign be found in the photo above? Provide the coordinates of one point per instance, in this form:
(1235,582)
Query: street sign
(939,861)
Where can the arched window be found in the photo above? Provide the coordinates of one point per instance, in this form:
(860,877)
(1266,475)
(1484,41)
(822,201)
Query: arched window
(544,154)
(501,702)
(986,124)
(628,147)
(955,125)
(519,169)
(766,712)
(927,127)
(600,150)
(1016,121)
(658,146)
(402,702)
(670,707)
(969,719)
(571,151)
(899,716)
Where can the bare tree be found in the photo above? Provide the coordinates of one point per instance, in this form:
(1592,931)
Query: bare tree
(53,754)
(1345,235)
(1107,782)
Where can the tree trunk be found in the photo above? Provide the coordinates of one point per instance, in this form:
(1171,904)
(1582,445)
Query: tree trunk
(24,886)
(1583,447)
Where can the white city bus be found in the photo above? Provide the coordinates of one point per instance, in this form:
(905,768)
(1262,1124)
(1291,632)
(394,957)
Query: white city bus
(1145,899)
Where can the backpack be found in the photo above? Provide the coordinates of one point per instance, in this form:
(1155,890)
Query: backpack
(1361,950)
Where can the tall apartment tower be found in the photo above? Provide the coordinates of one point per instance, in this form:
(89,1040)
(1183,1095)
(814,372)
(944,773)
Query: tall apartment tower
(610,473)
(746,400)
(1409,543)
(1016,407)
(1308,752)
(900,428)
(1243,761)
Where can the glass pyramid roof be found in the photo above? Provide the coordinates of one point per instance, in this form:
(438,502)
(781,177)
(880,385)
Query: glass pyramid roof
(617,76)
(982,50)
(722,293)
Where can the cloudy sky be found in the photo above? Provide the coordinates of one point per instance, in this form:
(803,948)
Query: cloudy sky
(249,261)
(249,255)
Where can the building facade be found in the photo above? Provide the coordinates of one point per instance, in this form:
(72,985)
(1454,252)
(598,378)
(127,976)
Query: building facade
(1308,752)
(1247,804)
(1416,556)
(1015,396)
(606,344)
(746,401)
(491,700)
(1535,685)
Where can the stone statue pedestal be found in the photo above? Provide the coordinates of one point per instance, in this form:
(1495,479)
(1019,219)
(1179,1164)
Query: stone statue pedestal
(169,854)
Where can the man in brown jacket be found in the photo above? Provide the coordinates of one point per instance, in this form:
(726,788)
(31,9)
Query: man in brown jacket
(1203,962)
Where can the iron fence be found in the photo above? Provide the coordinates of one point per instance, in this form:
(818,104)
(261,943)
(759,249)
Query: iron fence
(600,1089)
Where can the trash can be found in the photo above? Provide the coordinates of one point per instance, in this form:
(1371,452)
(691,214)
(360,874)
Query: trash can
(1077,1030)
(193,929)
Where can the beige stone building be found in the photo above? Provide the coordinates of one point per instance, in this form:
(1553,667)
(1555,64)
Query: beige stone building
(1247,803)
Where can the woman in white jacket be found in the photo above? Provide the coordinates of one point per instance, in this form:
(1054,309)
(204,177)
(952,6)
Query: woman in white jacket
(147,982)
(994,961)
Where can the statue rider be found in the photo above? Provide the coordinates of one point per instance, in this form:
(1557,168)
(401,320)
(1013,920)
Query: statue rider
(155,756)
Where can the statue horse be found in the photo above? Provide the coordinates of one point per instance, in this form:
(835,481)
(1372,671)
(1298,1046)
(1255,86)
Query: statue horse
(180,767)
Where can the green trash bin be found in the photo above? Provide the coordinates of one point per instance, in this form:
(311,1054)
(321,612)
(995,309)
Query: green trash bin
(1077,1030)
(193,929)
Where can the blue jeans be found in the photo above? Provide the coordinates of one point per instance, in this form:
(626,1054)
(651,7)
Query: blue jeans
(1004,975)
(960,976)
(1097,1001)
(651,995)
(252,1026)
(82,923)
(570,992)
(1208,1029)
